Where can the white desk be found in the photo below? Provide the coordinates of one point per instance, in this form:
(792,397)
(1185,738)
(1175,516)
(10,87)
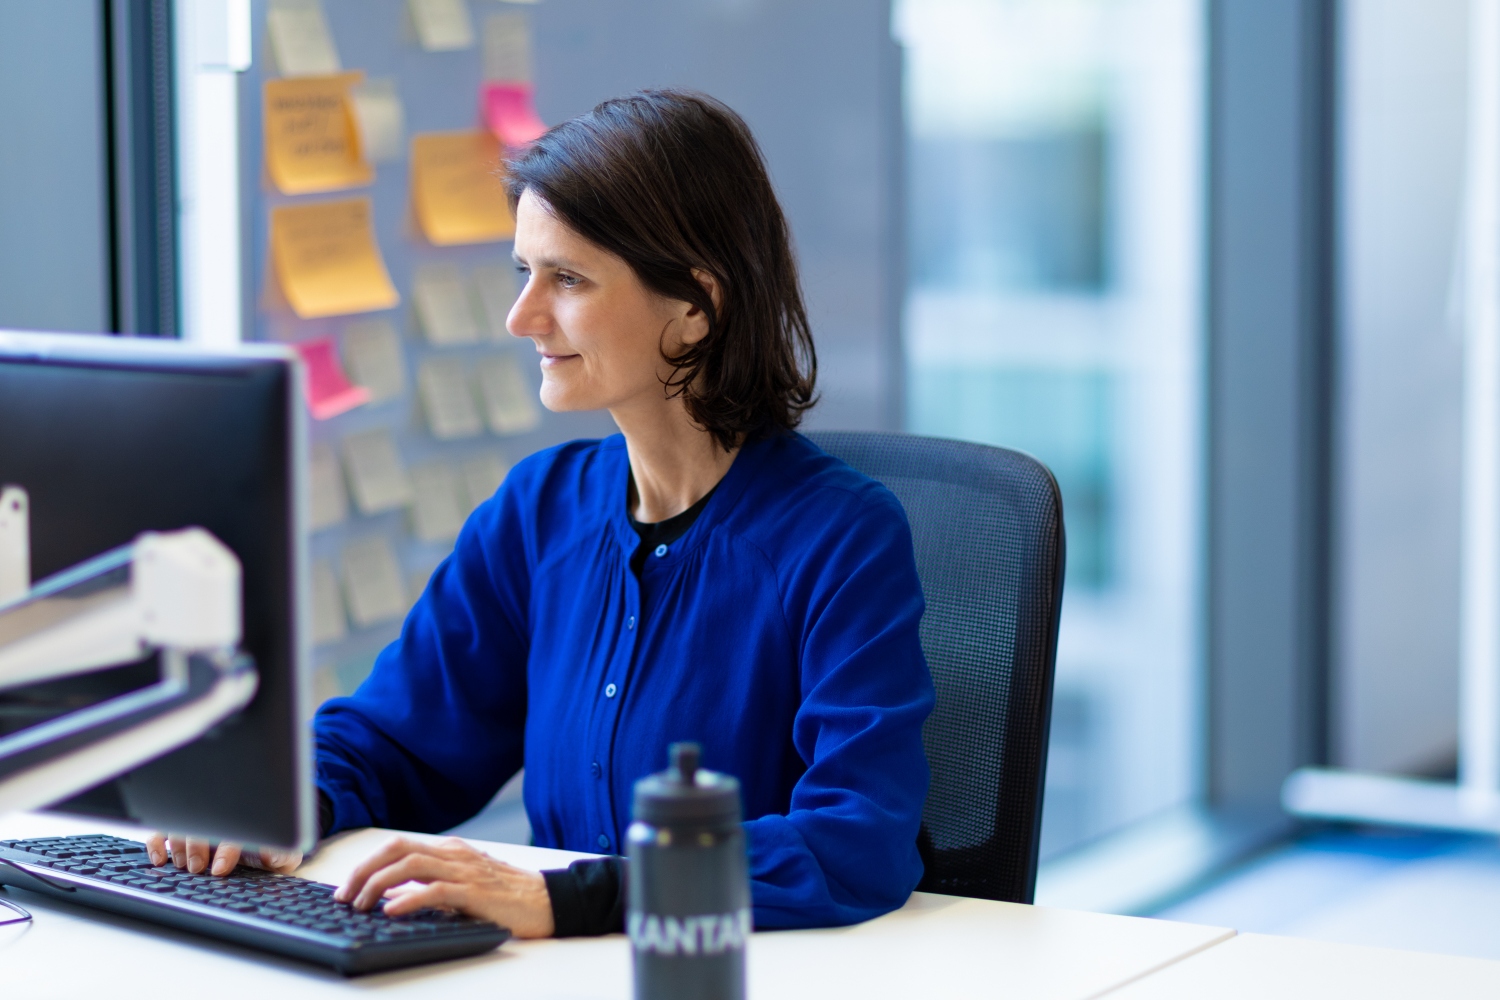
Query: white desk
(935,946)
(1260,966)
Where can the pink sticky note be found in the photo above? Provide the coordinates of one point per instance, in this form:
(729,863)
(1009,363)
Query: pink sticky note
(510,113)
(329,391)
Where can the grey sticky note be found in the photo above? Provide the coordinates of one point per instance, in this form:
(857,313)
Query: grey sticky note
(381,119)
(448,400)
(510,405)
(442,25)
(496,286)
(373,356)
(444,309)
(327,605)
(325,487)
(301,43)
(507,47)
(438,508)
(377,477)
(372,581)
(482,476)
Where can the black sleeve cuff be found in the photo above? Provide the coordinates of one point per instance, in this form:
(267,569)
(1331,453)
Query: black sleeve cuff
(325,814)
(588,897)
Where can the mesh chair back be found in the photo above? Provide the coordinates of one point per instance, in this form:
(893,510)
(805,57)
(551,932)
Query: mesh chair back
(988,530)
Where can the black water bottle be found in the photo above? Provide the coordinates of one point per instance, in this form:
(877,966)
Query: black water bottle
(689,884)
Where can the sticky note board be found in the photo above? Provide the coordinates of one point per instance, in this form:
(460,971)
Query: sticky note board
(507,47)
(444,309)
(457,193)
(381,119)
(330,505)
(372,581)
(311,135)
(442,25)
(377,477)
(372,353)
(329,624)
(301,43)
(510,113)
(448,401)
(496,286)
(328,391)
(438,509)
(481,477)
(326,260)
(510,405)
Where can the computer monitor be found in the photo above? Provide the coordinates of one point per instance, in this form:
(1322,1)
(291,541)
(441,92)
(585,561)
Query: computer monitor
(114,436)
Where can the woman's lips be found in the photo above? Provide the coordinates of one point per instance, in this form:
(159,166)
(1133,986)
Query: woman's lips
(553,360)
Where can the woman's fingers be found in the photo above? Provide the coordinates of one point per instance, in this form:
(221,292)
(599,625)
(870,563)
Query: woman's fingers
(391,851)
(284,862)
(226,856)
(446,895)
(178,846)
(412,868)
(156,848)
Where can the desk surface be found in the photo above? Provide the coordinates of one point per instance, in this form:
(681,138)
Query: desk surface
(1260,965)
(934,946)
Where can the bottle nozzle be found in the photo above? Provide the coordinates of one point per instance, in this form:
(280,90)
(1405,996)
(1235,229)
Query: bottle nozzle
(685,758)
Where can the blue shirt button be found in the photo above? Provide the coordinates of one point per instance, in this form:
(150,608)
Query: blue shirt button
(594,767)
(609,690)
(603,841)
(661,550)
(630,622)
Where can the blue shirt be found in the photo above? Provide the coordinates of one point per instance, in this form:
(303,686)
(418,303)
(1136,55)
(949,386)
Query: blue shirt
(780,632)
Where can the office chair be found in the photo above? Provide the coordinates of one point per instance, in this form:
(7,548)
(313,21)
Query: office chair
(988,530)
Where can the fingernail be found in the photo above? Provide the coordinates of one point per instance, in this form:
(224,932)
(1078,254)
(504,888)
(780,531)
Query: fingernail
(341,894)
(221,866)
(194,865)
(157,857)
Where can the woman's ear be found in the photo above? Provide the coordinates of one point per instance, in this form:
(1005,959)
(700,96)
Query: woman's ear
(696,326)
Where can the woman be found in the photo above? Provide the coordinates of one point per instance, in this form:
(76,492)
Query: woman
(707,574)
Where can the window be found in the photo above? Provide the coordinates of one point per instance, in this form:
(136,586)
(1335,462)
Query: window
(1054,171)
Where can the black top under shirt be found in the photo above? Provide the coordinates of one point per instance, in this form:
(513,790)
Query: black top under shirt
(588,897)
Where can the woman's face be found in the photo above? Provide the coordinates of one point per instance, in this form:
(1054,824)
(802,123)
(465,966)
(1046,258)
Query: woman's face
(599,330)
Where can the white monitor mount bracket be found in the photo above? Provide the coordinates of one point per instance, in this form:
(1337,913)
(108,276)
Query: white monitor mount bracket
(174,593)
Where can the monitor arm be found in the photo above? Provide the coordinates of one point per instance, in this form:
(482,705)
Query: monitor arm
(173,593)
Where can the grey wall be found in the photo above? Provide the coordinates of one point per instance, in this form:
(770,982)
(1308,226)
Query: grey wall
(54,254)
(820,84)
(1403,112)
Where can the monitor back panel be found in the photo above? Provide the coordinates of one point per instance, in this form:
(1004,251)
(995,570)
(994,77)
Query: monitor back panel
(109,449)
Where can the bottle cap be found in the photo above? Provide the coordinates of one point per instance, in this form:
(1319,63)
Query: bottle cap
(686,794)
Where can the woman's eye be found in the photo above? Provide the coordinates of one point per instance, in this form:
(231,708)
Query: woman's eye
(567,280)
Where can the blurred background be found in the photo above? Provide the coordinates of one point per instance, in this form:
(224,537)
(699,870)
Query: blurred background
(1201,257)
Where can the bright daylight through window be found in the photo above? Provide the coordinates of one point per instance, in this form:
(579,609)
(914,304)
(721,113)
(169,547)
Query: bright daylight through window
(1054,188)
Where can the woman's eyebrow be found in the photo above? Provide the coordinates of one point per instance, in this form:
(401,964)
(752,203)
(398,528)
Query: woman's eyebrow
(553,263)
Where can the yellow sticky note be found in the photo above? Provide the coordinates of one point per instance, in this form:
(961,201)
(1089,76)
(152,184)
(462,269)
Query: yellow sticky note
(457,192)
(326,260)
(312,136)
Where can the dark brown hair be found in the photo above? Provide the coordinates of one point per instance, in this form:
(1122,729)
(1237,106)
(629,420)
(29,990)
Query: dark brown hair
(669,182)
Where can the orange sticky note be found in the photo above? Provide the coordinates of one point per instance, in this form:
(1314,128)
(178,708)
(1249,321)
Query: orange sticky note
(457,192)
(311,136)
(326,260)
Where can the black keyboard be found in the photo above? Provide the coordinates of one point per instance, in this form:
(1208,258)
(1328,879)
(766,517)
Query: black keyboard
(280,913)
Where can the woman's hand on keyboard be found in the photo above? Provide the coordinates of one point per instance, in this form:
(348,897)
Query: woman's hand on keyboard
(450,874)
(196,855)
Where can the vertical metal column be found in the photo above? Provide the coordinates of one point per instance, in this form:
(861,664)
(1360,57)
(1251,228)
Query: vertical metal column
(142,150)
(1270,329)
